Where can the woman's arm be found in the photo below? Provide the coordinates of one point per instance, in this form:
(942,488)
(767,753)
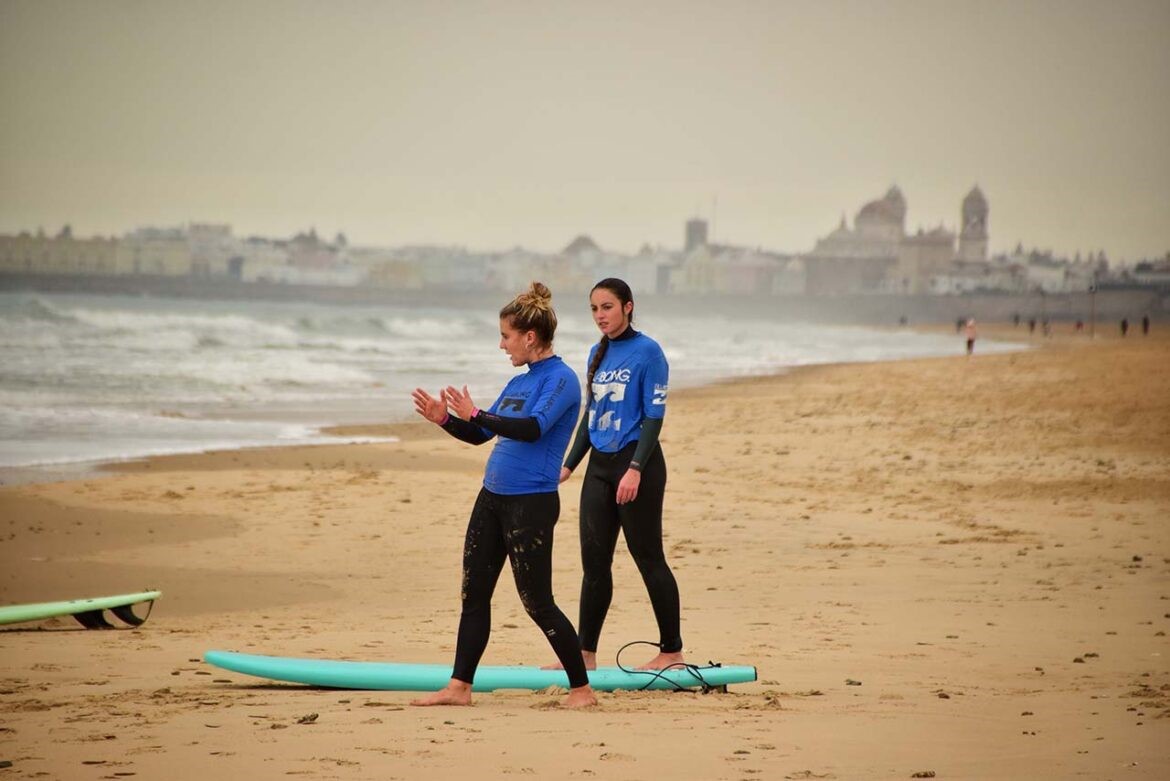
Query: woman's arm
(523,429)
(579,448)
(464,430)
(435,410)
(647,441)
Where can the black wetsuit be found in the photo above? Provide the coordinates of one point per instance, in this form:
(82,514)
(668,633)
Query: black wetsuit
(519,529)
(516,510)
(640,520)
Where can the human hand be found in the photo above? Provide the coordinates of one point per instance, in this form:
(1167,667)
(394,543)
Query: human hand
(627,490)
(428,406)
(459,401)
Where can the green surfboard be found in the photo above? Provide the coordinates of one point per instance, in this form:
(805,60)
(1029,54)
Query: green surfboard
(88,612)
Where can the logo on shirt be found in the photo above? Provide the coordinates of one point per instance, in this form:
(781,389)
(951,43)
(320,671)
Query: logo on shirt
(613,375)
(605,422)
(616,391)
(659,394)
(512,403)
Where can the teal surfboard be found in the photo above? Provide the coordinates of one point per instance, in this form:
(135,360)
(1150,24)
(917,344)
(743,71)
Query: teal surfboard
(88,612)
(388,676)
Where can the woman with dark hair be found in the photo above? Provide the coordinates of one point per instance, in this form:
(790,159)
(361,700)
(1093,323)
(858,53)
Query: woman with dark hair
(518,506)
(626,478)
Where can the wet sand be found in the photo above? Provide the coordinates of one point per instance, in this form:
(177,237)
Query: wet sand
(955,565)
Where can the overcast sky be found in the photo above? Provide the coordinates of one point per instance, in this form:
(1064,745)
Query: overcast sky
(495,124)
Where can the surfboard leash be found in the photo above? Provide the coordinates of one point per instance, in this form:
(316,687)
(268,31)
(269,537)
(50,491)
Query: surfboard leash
(654,675)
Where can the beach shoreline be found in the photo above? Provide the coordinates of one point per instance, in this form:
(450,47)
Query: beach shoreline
(978,544)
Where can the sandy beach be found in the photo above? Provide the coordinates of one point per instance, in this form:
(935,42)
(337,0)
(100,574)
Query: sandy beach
(957,567)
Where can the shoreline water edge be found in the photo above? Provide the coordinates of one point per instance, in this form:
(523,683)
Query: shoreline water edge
(89,379)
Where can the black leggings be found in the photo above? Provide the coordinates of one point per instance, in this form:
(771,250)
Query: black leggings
(520,529)
(641,522)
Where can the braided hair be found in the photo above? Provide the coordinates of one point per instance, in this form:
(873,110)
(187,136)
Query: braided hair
(625,296)
(532,311)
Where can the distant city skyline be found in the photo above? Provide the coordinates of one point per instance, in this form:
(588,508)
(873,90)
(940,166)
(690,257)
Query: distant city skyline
(490,125)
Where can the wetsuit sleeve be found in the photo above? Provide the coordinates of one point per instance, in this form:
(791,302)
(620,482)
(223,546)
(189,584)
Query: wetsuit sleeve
(523,429)
(647,441)
(465,431)
(580,444)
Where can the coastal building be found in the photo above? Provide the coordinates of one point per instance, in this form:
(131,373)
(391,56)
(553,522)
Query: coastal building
(859,260)
(212,248)
(696,234)
(732,270)
(878,256)
(923,258)
(37,253)
(155,252)
(973,233)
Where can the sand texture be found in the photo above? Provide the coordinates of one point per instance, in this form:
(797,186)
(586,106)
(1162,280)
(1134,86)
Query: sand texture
(951,566)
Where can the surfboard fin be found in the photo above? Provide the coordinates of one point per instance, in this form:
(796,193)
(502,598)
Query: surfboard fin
(95,619)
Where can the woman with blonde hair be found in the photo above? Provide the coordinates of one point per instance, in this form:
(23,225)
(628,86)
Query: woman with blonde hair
(518,505)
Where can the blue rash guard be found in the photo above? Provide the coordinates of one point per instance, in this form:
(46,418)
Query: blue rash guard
(629,386)
(549,392)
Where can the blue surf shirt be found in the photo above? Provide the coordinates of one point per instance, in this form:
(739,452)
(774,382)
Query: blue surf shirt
(629,386)
(550,392)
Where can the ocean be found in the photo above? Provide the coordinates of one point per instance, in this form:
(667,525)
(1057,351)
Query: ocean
(90,379)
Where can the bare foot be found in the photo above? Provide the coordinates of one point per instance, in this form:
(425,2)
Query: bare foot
(580,697)
(664,660)
(455,693)
(589,657)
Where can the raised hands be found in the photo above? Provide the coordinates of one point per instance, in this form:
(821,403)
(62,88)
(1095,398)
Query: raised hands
(434,410)
(459,402)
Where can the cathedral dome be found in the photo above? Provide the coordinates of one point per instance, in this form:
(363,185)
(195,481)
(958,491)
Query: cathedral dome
(878,211)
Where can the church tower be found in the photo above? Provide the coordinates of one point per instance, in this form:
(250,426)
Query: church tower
(973,235)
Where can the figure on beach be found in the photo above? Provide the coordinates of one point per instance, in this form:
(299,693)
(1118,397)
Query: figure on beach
(625,480)
(518,505)
(1124,326)
(972,334)
(1145,325)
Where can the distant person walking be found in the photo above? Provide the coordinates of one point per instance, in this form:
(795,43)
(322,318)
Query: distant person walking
(518,505)
(972,334)
(1145,325)
(1124,326)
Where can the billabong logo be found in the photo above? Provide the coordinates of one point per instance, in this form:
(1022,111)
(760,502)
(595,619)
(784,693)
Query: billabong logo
(605,423)
(613,375)
(659,394)
(615,390)
(512,404)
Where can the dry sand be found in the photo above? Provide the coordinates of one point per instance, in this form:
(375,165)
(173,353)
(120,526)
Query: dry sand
(980,545)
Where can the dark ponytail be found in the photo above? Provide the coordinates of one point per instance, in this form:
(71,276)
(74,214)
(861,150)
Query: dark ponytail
(624,295)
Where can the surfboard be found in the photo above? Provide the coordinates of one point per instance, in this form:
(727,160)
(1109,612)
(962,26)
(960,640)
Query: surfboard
(88,612)
(390,676)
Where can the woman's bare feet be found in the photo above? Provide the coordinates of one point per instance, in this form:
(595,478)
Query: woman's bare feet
(454,693)
(580,697)
(664,660)
(589,657)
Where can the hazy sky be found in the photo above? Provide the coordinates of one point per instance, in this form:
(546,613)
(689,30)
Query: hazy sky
(500,123)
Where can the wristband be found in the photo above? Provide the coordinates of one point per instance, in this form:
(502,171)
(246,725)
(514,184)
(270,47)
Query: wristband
(446,417)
